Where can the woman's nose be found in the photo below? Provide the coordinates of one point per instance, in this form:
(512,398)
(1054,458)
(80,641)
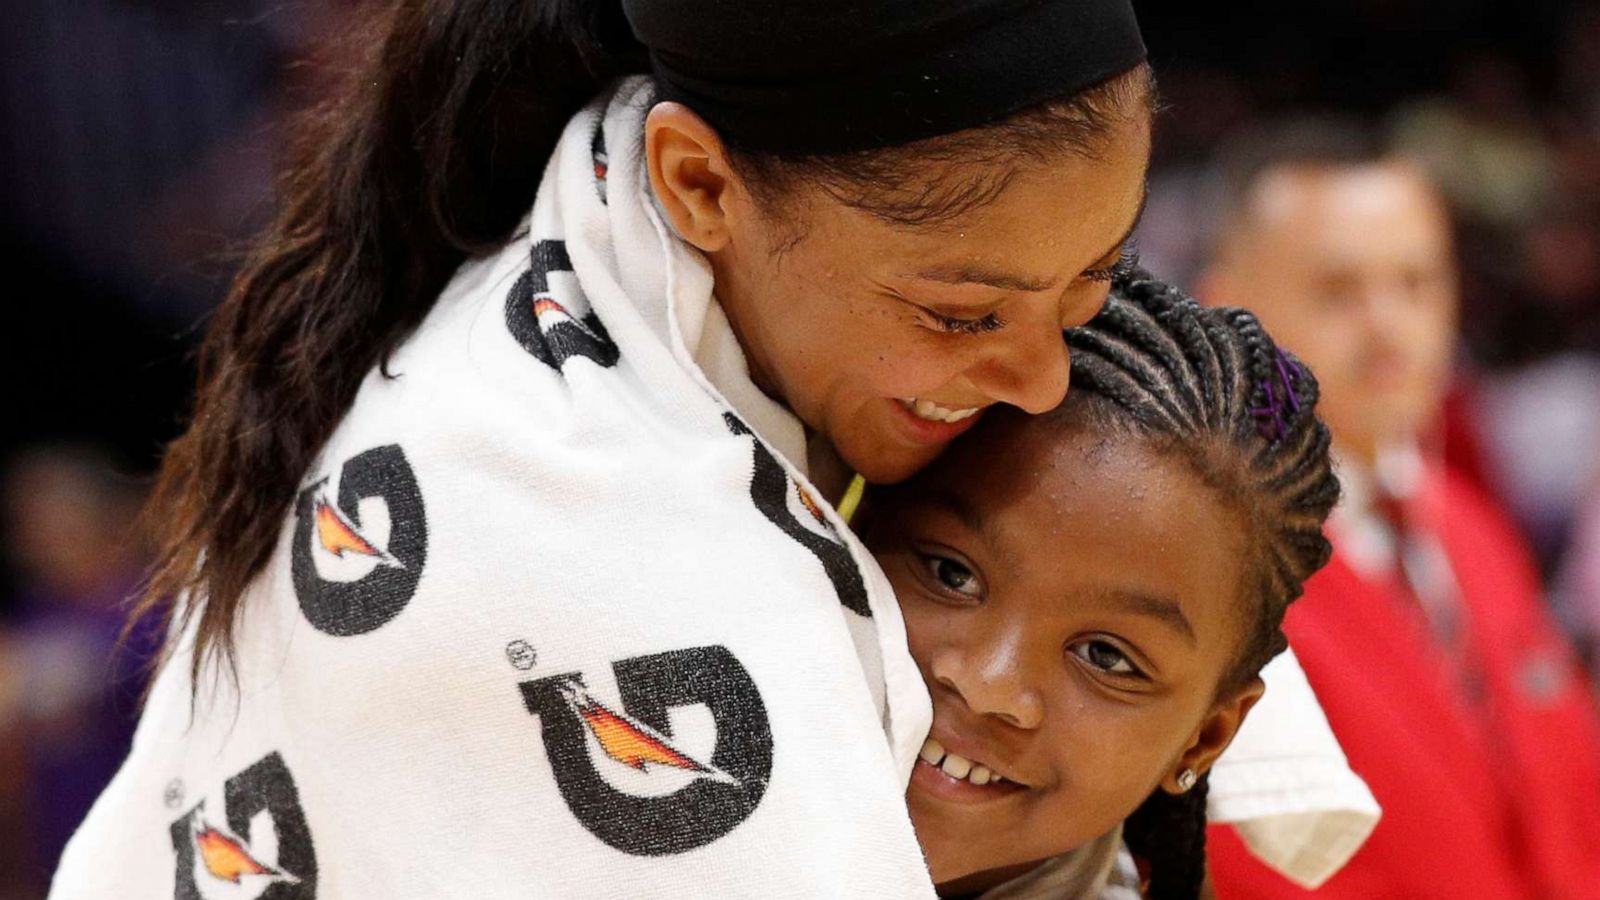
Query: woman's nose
(989,679)
(1029,370)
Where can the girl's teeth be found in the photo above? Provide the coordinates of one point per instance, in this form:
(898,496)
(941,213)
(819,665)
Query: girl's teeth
(934,754)
(956,766)
(927,409)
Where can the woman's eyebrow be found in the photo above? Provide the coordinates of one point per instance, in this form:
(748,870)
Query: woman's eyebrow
(1012,281)
(1144,202)
(973,274)
(1162,609)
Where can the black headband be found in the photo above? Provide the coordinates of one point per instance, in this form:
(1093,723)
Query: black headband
(829,76)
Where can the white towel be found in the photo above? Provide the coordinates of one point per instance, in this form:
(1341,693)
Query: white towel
(547,621)
(1286,786)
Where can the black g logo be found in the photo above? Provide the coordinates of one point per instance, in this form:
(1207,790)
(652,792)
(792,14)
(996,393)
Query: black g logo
(358,555)
(679,800)
(218,856)
(553,330)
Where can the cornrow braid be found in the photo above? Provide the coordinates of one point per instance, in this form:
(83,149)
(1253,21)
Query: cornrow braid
(1210,386)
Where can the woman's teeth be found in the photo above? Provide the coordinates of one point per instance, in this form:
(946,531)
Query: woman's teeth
(957,767)
(927,409)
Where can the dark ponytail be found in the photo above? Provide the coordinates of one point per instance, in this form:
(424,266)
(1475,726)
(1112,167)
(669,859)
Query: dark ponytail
(430,154)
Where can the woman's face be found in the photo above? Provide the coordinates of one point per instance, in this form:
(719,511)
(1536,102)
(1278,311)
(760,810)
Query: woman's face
(1073,603)
(892,339)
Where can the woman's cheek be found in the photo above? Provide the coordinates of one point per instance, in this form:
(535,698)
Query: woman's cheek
(915,368)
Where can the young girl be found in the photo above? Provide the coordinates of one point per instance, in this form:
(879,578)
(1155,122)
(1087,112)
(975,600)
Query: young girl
(1091,593)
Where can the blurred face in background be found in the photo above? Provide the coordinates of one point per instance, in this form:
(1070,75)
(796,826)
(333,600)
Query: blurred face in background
(1352,268)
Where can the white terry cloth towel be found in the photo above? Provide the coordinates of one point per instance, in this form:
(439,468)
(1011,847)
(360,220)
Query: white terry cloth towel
(1285,785)
(547,620)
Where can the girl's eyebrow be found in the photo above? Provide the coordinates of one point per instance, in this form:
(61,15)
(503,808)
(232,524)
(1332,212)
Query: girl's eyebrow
(949,501)
(1163,609)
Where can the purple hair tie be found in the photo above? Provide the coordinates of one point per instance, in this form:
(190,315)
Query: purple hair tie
(1272,419)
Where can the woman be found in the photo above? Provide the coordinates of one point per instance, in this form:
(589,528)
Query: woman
(500,570)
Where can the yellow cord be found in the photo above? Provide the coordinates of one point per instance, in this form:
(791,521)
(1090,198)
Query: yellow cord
(852,498)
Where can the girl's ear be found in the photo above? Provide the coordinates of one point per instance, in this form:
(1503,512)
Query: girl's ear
(690,173)
(1214,734)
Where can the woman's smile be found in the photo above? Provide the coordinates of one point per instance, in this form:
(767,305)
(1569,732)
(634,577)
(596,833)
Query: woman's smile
(925,422)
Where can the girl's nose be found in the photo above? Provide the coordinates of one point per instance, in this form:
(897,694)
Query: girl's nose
(989,677)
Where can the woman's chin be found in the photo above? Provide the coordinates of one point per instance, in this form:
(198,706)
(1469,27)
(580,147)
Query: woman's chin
(884,462)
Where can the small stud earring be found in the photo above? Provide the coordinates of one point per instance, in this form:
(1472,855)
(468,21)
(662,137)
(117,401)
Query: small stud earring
(1186,780)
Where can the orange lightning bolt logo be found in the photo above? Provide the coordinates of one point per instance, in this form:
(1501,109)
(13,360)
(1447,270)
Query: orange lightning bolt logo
(542,305)
(226,857)
(631,742)
(339,536)
(810,504)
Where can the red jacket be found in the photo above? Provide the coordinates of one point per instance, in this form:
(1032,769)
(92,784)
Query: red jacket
(1499,801)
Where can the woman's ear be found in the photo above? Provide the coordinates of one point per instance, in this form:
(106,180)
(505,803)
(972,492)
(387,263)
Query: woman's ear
(690,173)
(1216,731)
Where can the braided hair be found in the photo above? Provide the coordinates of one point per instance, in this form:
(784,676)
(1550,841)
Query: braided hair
(1209,386)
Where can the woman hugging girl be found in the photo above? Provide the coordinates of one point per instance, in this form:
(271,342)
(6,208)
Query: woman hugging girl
(1091,593)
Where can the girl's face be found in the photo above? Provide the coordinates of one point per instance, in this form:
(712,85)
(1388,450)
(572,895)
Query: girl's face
(890,339)
(1073,603)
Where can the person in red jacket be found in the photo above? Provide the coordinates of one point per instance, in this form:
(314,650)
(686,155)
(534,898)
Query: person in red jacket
(1427,640)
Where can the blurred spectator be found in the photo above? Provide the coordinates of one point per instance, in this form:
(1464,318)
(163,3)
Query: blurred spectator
(68,696)
(1442,673)
(1578,584)
(1482,143)
(1541,424)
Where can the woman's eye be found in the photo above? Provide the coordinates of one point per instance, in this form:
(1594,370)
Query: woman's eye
(953,325)
(1127,262)
(951,575)
(1105,656)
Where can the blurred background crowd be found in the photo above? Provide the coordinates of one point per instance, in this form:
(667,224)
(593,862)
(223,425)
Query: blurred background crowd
(136,148)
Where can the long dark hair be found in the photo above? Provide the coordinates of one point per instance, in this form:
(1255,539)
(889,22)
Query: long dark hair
(430,155)
(1210,387)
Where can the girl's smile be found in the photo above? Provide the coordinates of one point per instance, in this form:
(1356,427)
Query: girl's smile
(955,777)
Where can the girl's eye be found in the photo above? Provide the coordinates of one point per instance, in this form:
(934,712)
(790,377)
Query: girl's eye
(1124,266)
(951,575)
(953,325)
(1105,656)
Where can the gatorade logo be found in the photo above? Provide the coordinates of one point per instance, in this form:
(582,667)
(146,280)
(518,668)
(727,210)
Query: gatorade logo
(360,545)
(253,846)
(795,512)
(632,779)
(554,322)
